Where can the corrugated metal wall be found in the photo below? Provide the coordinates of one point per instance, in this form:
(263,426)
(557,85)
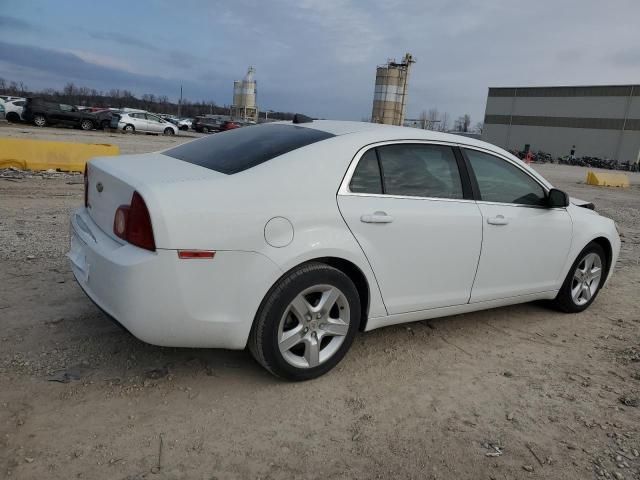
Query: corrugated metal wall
(601,121)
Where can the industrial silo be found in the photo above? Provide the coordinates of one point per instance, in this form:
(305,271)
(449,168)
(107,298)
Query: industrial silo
(390,94)
(244,98)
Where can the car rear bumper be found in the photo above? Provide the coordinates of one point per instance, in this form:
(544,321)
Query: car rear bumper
(166,301)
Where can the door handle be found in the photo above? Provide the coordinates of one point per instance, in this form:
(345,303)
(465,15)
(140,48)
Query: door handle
(497,220)
(377,217)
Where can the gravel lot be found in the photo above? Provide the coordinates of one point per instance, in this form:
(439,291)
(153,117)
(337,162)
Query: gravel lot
(517,392)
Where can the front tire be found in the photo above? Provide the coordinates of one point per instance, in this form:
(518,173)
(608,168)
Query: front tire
(39,121)
(169,131)
(86,125)
(584,280)
(306,323)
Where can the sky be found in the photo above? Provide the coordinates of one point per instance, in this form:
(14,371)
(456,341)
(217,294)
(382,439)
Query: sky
(318,57)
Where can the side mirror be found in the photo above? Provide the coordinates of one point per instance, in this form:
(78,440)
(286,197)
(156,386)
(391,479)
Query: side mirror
(557,199)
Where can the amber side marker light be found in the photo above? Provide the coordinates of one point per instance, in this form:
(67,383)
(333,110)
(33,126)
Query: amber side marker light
(194,254)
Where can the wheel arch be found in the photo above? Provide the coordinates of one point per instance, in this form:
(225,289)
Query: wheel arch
(608,251)
(350,269)
(358,278)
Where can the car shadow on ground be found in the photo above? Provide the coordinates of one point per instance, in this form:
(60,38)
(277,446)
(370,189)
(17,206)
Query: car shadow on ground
(110,353)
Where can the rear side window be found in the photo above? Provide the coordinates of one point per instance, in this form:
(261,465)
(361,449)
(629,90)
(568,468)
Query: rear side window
(366,177)
(499,181)
(418,170)
(243,148)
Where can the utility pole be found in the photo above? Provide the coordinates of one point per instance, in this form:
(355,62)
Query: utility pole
(180,104)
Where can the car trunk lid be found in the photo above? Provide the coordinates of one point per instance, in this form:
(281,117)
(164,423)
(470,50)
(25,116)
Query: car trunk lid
(111,182)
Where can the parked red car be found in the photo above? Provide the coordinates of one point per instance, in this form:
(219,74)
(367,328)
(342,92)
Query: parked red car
(229,126)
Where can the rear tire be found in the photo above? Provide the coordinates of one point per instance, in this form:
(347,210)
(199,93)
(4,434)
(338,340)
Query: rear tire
(39,121)
(306,323)
(205,130)
(129,128)
(12,117)
(584,280)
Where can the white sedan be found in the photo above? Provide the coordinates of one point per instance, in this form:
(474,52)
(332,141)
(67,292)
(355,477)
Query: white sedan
(289,238)
(131,122)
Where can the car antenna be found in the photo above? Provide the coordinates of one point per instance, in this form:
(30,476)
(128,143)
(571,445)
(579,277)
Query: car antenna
(299,118)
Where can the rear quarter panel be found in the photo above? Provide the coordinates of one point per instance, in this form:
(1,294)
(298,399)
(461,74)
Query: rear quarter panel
(230,212)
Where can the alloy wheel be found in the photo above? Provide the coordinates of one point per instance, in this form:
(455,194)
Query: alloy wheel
(40,121)
(313,326)
(586,279)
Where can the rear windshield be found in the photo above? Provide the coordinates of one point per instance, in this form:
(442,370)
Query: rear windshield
(243,148)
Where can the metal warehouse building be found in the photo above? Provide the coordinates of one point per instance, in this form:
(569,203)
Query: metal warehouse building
(601,121)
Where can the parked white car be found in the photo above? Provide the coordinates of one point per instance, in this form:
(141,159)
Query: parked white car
(131,122)
(184,123)
(289,238)
(13,109)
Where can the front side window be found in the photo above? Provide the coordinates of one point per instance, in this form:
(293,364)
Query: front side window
(499,181)
(153,118)
(418,170)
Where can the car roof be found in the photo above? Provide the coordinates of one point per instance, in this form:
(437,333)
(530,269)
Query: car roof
(364,133)
(380,132)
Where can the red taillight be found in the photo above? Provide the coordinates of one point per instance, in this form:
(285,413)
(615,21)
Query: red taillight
(86,185)
(133,223)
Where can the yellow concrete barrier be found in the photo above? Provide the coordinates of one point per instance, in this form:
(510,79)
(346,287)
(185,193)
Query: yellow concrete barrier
(607,179)
(44,155)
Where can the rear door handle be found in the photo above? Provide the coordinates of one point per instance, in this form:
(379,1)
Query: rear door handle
(497,220)
(377,217)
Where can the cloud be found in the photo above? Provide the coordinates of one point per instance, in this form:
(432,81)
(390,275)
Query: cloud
(102,60)
(162,50)
(625,58)
(91,70)
(123,39)
(12,23)
(319,56)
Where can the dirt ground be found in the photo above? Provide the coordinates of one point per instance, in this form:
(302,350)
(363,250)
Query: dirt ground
(520,392)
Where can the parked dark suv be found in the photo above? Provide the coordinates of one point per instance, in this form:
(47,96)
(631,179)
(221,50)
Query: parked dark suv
(206,124)
(41,113)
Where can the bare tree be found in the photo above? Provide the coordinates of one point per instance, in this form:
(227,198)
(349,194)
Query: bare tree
(444,122)
(466,121)
(479,127)
(424,120)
